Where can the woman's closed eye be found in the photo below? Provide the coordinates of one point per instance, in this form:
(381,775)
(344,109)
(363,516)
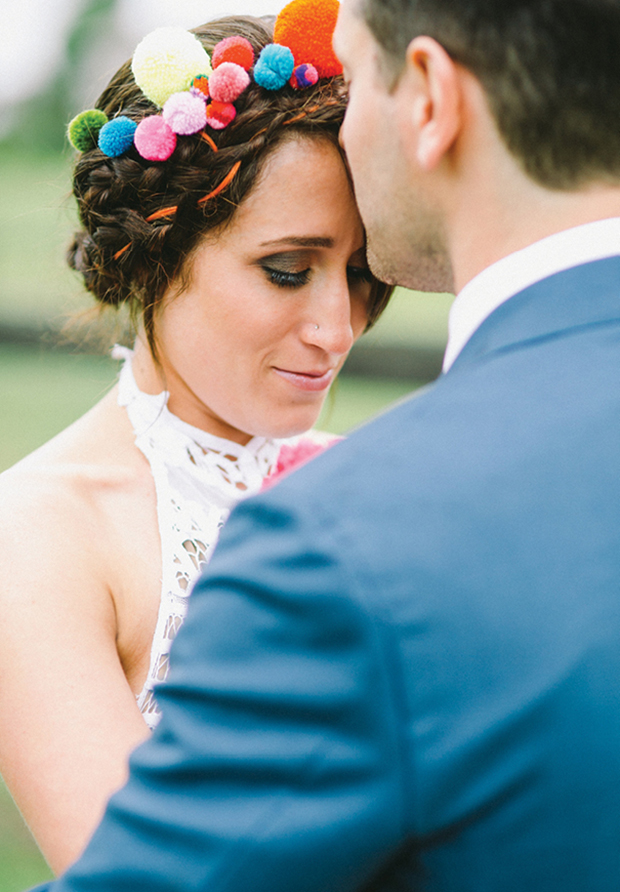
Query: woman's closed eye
(293,269)
(286,278)
(360,274)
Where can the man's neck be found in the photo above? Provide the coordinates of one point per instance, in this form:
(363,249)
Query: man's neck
(489,205)
(512,219)
(497,283)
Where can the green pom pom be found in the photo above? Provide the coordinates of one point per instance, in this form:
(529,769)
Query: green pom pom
(84,129)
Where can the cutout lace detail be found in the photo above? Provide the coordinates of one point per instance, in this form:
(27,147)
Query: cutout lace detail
(198,479)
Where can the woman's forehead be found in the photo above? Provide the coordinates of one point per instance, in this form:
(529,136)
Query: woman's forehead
(302,195)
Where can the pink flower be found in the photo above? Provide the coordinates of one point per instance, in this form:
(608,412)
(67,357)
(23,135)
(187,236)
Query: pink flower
(291,457)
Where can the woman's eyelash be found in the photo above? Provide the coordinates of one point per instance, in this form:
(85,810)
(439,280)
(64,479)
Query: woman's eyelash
(361,273)
(285,279)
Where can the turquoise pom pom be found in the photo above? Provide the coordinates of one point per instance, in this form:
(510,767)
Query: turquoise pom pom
(274,66)
(116,137)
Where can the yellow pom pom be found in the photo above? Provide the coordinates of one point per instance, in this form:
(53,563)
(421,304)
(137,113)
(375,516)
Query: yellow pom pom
(167,61)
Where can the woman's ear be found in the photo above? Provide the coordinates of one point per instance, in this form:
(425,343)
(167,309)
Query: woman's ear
(430,101)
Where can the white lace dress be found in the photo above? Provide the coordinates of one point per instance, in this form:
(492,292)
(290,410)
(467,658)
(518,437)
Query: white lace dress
(198,479)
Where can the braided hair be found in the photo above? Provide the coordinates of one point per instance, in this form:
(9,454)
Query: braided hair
(142,219)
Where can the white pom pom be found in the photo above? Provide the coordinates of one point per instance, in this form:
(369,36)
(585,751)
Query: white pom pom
(167,61)
(185,113)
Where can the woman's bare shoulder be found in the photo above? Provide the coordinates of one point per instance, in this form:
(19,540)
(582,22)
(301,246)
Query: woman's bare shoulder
(66,589)
(68,497)
(96,453)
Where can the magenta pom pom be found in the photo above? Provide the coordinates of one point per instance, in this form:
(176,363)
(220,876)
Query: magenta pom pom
(185,113)
(228,82)
(154,139)
(304,76)
(233,49)
(220,114)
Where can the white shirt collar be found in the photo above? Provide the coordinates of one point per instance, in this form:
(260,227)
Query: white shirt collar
(510,275)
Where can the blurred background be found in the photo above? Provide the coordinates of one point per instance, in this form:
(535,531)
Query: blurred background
(55,58)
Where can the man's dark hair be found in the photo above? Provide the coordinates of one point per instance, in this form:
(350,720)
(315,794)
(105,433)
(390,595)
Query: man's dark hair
(550,69)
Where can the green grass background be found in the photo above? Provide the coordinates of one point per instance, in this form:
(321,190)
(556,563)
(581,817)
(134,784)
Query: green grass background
(42,391)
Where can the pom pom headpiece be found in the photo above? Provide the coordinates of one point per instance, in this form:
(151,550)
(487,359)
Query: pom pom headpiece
(175,73)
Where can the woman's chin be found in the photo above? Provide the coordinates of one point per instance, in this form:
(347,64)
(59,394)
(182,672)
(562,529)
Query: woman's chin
(281,429)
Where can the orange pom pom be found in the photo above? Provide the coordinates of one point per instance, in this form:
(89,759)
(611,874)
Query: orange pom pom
(307,28)
(200,86)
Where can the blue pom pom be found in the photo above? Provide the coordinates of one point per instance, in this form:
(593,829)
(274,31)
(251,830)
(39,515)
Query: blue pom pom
(116,137)
(274,66)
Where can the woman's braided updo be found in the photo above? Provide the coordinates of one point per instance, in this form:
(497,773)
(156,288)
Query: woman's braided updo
(127,259)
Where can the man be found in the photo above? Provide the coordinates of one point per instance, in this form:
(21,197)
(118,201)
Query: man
(402,670)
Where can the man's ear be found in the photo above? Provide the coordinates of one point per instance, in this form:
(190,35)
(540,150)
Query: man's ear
(430,101)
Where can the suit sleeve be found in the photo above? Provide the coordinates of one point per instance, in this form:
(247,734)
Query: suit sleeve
(276,765)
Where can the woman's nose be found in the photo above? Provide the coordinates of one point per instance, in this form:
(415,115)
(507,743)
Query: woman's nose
(328,325)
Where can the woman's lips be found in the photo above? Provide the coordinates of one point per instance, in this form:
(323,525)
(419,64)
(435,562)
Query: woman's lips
(313,381)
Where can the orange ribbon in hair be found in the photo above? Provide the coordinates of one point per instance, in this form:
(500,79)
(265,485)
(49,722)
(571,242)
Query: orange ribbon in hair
(164,212)
(208,139)
(227,179)
(122,251)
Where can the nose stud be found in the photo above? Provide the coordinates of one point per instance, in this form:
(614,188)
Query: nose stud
(316,327)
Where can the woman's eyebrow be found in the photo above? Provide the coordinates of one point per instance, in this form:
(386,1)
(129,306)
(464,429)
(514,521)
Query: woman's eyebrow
(300,242)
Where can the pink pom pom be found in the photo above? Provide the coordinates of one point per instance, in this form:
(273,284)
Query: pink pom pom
(233,49)
(185,113)
(220,114)
(228,82)
(154,139)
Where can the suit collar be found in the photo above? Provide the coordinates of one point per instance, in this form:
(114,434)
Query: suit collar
(574,298)
(515,272)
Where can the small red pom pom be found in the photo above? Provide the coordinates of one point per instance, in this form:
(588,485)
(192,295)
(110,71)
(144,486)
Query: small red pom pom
(307,28)
(220,114)
(233,49)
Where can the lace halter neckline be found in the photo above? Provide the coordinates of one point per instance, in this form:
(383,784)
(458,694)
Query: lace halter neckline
(198,479)
(242,468)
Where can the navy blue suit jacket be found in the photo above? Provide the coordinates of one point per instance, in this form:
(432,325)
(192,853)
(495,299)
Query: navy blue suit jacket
(402,669)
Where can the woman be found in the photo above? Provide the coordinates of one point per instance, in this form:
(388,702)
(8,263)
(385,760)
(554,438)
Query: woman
(241,256)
